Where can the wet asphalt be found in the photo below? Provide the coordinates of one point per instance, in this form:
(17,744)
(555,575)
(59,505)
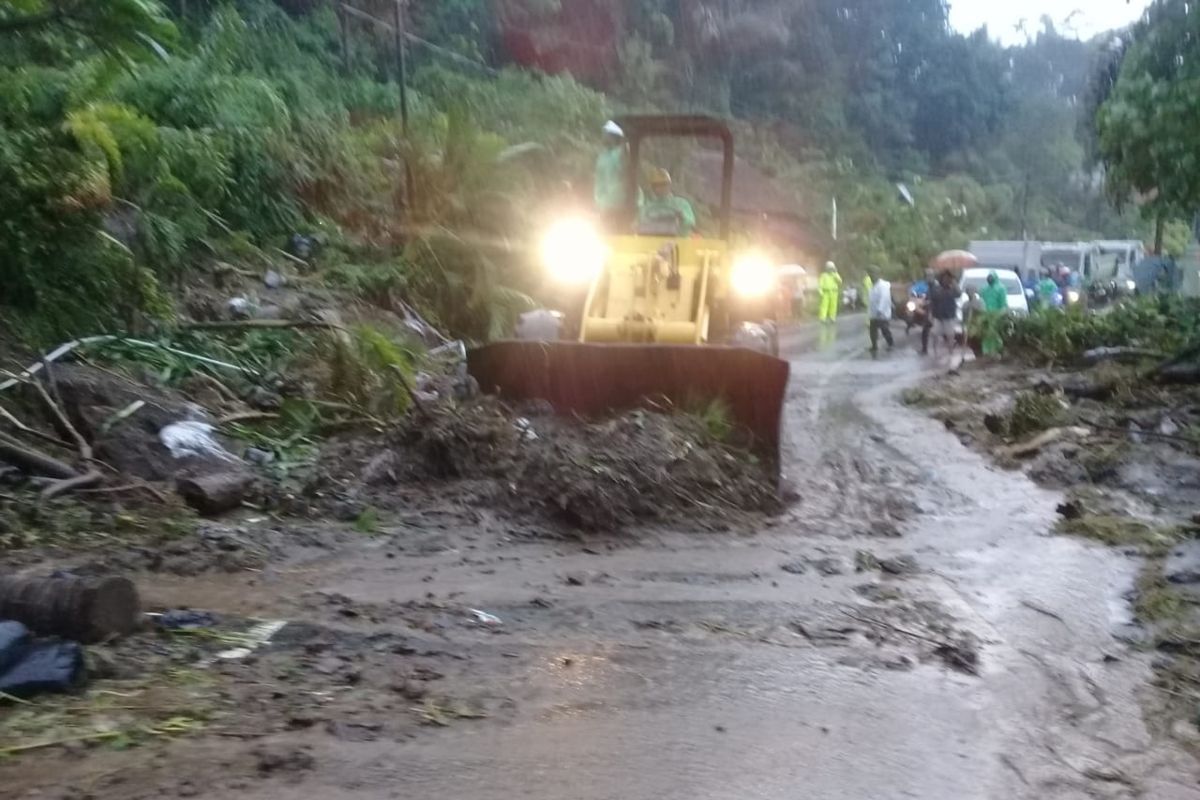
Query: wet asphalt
(694,666)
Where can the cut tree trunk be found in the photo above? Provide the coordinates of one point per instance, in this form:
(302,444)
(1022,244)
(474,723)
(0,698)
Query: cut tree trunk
(216,493)
(83,609)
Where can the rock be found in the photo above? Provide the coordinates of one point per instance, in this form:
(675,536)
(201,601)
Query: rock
(273,280)
(1183,564)
(829,566)
(1071,509)
(270,311)
(264,399)
(899,565)
(1168,427)
(996,424)
(273,760)
(575,579)
(260,457)
(215,493)
(353,731)
(794,567)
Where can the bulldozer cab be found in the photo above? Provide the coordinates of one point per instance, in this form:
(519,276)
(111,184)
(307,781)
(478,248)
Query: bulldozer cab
(665,274)
(663,305)
(698,152)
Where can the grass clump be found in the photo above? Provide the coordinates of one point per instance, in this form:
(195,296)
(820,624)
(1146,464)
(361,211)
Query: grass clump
(1115,531)
(1034,412)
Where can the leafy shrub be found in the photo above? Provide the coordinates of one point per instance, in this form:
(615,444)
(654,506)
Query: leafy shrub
(1163,324)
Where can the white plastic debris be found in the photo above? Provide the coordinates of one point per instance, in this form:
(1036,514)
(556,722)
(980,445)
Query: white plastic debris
(484,618)
(541,325)
(190,438)
(240,308)
(273,279)
(525,428)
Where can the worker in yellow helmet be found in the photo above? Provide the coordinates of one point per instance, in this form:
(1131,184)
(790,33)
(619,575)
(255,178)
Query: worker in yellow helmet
(665,213)
(830,289)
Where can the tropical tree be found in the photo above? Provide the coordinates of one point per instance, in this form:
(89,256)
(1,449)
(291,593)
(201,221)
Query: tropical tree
(1147,127)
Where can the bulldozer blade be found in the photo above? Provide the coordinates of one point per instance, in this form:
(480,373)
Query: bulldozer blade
(595,379)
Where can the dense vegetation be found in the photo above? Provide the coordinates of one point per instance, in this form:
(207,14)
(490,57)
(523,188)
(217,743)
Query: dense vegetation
(140,141)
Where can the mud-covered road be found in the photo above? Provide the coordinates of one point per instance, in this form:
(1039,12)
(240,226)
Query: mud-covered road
(909,628)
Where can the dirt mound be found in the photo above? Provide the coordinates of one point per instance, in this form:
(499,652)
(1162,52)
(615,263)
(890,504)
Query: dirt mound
(601,475)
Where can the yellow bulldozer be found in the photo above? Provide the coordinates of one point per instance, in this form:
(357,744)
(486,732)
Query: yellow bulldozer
(657,315)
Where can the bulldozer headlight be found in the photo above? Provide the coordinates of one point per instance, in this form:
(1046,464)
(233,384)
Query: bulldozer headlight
(753,276)
(573,251)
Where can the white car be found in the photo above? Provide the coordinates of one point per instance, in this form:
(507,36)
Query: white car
(975,279)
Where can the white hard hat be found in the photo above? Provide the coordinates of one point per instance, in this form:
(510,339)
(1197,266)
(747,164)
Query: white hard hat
(613,129)
(830,266)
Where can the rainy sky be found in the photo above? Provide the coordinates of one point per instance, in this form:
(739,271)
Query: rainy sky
(1085,17)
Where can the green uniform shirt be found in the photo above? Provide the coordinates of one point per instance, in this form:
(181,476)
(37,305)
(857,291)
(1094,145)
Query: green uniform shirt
(658,210)
(609,190)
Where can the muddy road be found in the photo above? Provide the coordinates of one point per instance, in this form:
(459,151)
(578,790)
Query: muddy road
(909,628)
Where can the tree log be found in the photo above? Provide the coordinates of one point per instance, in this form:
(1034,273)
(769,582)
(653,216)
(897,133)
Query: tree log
(216,493)
(83,609)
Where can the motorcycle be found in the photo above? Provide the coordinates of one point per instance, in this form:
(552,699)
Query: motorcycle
(915,313)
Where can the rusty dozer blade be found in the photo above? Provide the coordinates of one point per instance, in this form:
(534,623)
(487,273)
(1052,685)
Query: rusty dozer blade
(595,379)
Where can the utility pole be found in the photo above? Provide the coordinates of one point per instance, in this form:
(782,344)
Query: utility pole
(401,64)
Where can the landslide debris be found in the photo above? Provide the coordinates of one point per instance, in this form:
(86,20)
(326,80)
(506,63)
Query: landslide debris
(597,475)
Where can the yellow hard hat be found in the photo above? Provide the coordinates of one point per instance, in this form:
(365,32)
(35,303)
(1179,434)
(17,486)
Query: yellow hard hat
(659,176)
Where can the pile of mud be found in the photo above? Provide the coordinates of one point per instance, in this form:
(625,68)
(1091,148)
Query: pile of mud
(594,475)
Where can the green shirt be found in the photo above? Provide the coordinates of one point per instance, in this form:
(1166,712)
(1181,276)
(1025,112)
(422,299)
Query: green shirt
(994,296)
(609,190)
(657,211)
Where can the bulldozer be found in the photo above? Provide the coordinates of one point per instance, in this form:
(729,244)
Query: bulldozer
(656,317)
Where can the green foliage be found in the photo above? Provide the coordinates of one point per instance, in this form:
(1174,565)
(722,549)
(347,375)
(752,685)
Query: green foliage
(1146,126)
(1162,324)
(124,30)
(370,371)
(1033,412)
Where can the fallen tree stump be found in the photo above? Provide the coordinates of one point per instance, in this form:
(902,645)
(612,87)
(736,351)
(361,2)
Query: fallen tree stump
(83,609)
(215,493)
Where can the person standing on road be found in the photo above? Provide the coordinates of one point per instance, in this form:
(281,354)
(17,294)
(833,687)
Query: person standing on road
(943,312)
(830,288)
(879,310)
(995,304)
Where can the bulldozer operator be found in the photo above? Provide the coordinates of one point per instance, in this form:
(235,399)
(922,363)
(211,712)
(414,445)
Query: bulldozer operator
(665,213)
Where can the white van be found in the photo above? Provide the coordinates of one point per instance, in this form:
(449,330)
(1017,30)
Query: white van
(976,278)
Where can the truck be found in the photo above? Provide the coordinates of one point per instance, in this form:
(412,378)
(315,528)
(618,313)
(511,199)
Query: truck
(1022,257)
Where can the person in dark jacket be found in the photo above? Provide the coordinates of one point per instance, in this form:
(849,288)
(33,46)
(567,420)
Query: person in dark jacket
(943,312)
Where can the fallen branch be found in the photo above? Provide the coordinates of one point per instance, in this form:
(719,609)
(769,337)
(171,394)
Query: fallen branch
(21,426)
(1044,611)
(32,461)
(260,324)
(81,444)
(247,416)
(64,349)
(52,356)
(126,487)
(890,626)
(52,491)
(1133,355)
